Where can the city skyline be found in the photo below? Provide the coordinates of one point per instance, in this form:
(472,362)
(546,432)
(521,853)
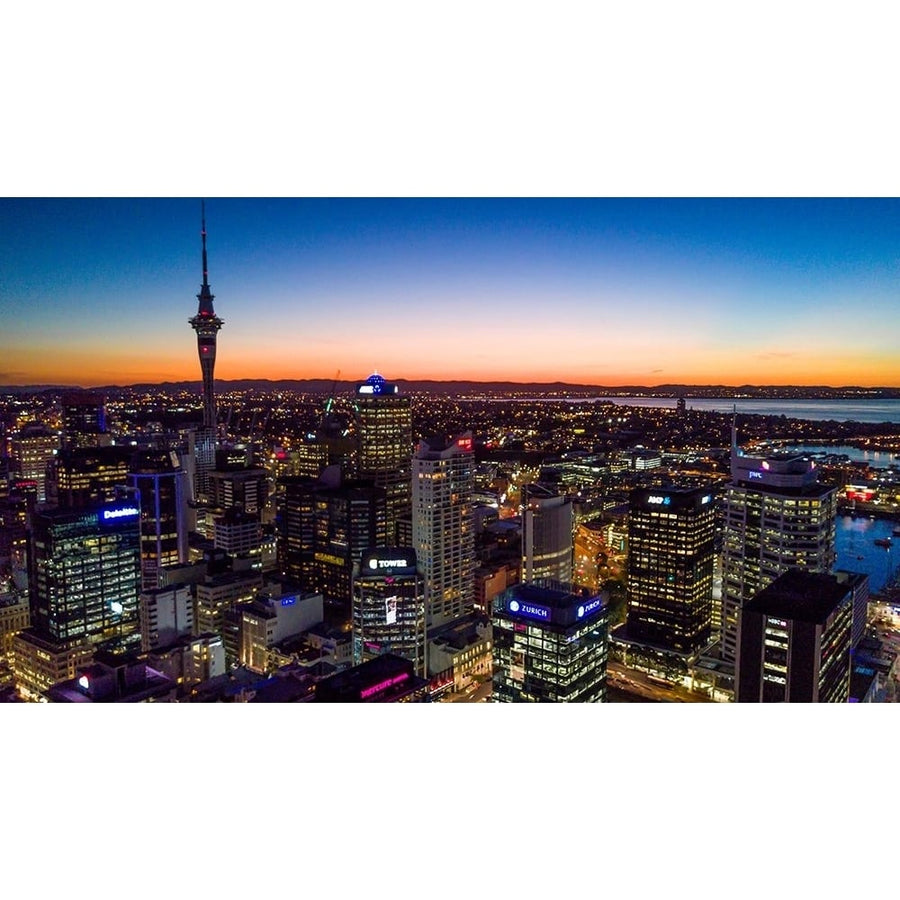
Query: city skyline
(607,292)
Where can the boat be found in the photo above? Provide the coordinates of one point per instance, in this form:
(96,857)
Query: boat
(882,542)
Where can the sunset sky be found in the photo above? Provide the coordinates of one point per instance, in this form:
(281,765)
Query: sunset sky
(605,292)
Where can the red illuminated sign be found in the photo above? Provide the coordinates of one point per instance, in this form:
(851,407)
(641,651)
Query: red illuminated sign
(464,443)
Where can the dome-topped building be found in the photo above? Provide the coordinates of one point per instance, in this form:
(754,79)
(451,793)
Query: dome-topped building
(385,446)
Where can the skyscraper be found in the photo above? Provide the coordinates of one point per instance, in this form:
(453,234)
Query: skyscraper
(671,557)
(389,606)
(84,419)
(32,449)
(443,525)
(546,534)
(794,641)
(777,517)
(384,446)
(159,479)
(550,645)
(84,573)
(206,324)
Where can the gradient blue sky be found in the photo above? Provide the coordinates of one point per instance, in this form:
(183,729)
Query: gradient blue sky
(617,291)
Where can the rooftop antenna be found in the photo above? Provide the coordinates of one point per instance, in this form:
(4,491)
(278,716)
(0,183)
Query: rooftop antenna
(203,235)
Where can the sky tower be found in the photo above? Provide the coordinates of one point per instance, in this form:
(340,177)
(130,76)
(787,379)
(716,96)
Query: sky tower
(207,324)
(203,440)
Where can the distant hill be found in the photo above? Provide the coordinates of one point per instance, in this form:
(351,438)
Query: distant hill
(324,386)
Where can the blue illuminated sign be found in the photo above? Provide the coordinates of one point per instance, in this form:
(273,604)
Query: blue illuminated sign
(587,608)
(120,512)
(756,474)
(288,601)
(660,501)
(530,610)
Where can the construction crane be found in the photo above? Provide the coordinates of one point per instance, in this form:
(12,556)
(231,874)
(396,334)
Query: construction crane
(330,402)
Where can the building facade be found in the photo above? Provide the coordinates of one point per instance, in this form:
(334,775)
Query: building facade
(550,645)
(443,525)
(160,482)
(794,641)
(776,516)
(84,573)
(547,529)
(671,558)
(383,423)
(389,606)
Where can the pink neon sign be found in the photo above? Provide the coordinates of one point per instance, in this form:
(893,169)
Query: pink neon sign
(383,685)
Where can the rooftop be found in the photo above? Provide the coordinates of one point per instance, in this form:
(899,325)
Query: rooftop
(801,596)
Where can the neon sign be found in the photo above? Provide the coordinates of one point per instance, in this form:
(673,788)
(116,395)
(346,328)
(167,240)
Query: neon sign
(383,685)
(121,512)
(288,601)
(587,608)
(388,563)
(663,501)
(464,443)
(755,474)
(84,682)
(529,609)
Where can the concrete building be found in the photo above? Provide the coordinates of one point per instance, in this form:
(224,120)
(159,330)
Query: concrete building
(190,660)
(550,645)
(389,606)
(776,517)
(84,420)
(84,573)
(671,557)
(384,679)
(462,651)
(86,476)
(383,423)
(162,489)
(38,662)
(547,528)
(219,593)
(794,641)
(166,614)
(15,616)
(114,679)
(32,449)
(443,527)
(268,620)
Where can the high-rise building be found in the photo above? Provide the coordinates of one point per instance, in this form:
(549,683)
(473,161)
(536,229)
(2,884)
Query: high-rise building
(547,527)
(794,641)
(389,606)
(84,573)
(159,480)
(86,476)
(33,448)
(84,420)
(777,517)
(443,525)
(247,488)
(550,645)
(384,446)
(348,520)
(206,324)
(166,614)
(296,524)
(671,557)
